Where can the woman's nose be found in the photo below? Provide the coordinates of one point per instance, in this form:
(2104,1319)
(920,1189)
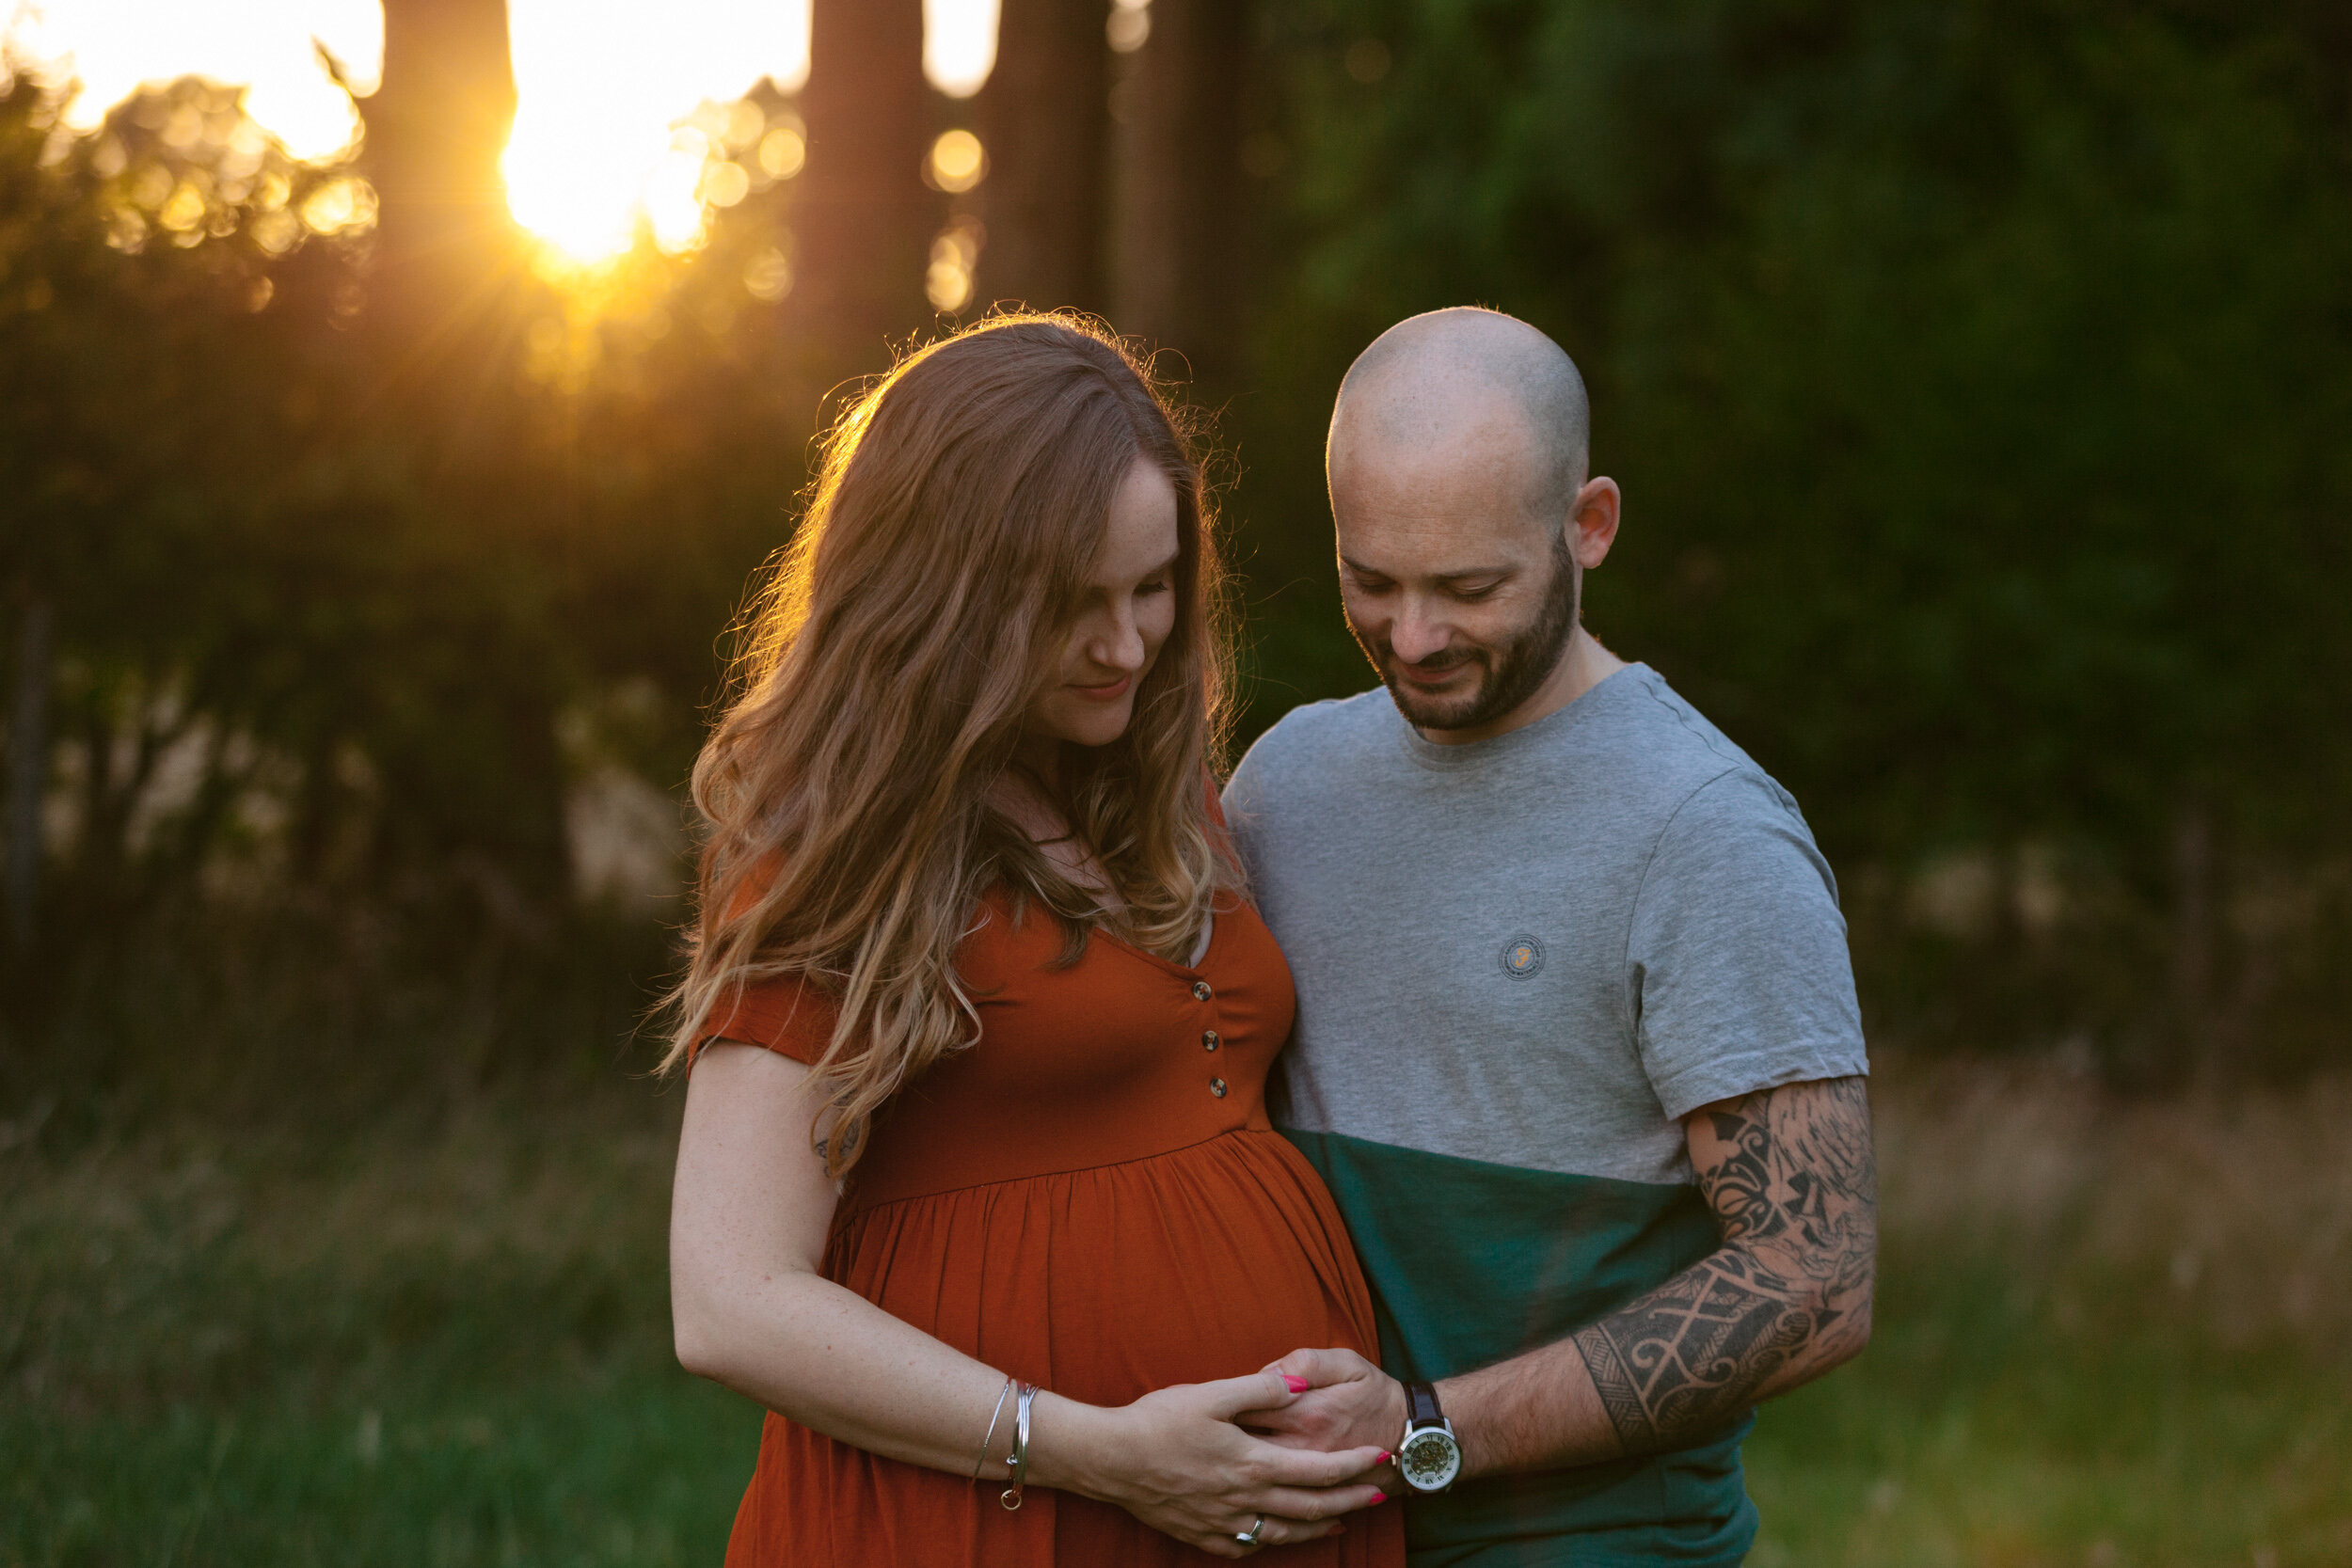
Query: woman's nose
(1116,642)
(1120,646)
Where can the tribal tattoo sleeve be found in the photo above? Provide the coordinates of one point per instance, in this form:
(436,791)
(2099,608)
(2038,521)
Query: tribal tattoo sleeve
(1793,1179)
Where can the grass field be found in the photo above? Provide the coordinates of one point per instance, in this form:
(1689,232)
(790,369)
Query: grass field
(2108,1334)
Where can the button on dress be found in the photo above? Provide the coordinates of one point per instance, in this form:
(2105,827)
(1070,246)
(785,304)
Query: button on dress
(1091,1198)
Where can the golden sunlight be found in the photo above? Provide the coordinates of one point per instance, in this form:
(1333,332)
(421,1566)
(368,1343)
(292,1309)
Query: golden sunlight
(112,47)
(619,113)
(625,112)
(628,112)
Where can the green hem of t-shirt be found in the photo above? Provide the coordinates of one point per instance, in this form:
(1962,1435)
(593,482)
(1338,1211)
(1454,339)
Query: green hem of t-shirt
(1471,1263)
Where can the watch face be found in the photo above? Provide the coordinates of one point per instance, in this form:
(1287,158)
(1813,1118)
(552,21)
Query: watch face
(1430,1460)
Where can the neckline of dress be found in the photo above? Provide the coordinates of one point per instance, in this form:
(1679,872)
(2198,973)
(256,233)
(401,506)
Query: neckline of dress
(997,897)
(1217,929)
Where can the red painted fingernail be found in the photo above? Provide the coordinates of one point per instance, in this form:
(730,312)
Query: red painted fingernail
(1379,1497)
(1297,1385)
(1384,1456)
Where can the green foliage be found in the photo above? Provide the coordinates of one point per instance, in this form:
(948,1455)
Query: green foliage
(352,587)
(1977,370)
(249,571)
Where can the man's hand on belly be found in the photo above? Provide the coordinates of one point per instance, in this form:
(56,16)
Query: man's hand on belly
(1348,1404)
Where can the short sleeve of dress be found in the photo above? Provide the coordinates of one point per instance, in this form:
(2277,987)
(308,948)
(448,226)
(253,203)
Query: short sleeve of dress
(789,1017)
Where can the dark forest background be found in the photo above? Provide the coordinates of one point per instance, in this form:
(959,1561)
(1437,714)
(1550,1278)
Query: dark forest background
(1977,371)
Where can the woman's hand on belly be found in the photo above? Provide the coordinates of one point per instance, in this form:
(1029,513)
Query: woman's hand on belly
(1344,1399)
(1176,1460)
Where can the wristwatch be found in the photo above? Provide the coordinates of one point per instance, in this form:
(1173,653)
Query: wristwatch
(1427,1455)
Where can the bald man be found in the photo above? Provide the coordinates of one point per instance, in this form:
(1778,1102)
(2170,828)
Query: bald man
(1577,1052)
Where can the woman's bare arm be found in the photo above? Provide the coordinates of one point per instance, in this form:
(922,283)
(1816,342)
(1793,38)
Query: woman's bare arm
(748,1222)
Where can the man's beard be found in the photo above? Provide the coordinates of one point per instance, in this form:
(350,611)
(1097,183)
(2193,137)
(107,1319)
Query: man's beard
(1513,670)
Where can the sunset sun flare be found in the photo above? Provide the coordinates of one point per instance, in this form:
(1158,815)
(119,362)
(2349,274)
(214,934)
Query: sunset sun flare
(622,122)
(607,130)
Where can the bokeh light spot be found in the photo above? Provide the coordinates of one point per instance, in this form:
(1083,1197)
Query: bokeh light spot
(955,255)
(783,152)
(151,186)
(339,205)
(768,276)
(956,162)
(1129,25)
(724,184)
(184,209)
(276,231)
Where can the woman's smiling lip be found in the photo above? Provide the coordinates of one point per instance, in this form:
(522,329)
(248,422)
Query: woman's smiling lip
(1111,692)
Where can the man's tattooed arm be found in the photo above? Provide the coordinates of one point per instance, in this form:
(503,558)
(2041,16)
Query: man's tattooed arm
(1790,1175)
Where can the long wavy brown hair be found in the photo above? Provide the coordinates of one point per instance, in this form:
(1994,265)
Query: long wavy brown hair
(848,795)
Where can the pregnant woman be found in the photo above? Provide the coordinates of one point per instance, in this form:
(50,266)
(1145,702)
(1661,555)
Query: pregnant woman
(976,1190)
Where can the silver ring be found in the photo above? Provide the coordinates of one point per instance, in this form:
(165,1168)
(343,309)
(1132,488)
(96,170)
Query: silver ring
(1251,1539)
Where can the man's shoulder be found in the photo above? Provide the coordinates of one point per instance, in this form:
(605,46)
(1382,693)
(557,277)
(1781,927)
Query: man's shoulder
(1313,734)
(1658,751)
(1669,732)
(1702,796)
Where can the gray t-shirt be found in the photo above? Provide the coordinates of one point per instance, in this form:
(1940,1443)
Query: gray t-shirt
(1519,963)
(1541,950)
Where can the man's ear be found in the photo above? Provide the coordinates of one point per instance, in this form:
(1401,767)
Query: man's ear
(1593,521)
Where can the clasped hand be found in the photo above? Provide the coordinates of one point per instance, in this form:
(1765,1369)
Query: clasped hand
(1343,1401)
(1180,1460)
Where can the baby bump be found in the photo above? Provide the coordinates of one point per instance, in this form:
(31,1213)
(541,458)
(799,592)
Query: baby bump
(1102,1284)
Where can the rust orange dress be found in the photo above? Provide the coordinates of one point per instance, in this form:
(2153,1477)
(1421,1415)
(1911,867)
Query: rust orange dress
(1091,1198)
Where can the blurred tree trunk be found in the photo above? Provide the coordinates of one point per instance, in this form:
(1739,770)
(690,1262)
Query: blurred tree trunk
(1180,182)
(446,292)
(1044,118)
(28,765)
(864,220)
(435,131)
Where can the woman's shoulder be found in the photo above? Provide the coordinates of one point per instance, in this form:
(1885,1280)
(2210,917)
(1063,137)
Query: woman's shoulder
(790,1014)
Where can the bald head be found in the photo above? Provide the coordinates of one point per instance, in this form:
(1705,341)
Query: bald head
(1465,521)
(1468,385)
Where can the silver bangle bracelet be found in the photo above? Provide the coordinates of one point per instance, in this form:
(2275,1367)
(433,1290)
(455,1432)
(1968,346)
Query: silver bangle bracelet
(1019,1461)
(990,1435)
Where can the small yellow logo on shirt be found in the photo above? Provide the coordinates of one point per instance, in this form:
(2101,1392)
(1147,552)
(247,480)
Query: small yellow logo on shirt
(1522,956)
